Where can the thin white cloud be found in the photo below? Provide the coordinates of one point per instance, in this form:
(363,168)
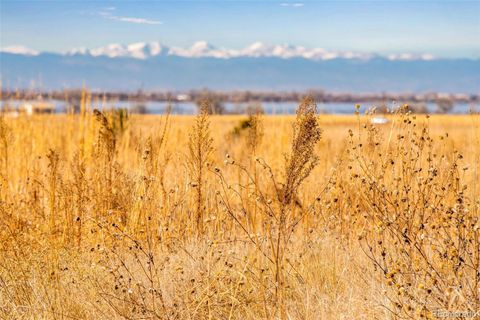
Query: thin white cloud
(134,20)
(294,5)
(107,14)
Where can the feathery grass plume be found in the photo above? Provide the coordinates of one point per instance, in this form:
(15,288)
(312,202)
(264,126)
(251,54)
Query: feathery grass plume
(254,139)
(255,130)
(82,121)
(199,152)
(79,186)
(107,140)
(302,158)
(53,161)
(53,216)
(83,107)
(298,166)
(104,152)
(155,162)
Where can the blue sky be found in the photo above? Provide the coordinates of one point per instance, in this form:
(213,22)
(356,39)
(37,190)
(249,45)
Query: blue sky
(443,28)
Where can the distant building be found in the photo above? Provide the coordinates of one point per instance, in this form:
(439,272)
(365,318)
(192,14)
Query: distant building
(183,97)
(32,107)
(379,120)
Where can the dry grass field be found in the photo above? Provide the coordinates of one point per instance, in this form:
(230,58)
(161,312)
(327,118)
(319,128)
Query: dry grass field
(104,216)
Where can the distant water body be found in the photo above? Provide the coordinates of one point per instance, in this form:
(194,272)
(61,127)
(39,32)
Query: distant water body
(186,108)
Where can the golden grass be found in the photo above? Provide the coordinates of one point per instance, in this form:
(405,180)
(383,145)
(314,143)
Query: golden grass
(104,217)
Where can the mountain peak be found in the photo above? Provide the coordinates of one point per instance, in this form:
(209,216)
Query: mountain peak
(19,49)
(199,49)
(144,50)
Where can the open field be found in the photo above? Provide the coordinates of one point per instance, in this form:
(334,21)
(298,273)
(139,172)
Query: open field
(104,216)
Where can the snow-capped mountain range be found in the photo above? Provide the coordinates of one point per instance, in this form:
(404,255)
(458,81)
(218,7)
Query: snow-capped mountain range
(259,66)
(202,49)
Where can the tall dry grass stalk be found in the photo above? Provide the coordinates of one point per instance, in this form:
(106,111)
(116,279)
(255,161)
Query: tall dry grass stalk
(5,141)
(199,152)
(254,140)
(280,208)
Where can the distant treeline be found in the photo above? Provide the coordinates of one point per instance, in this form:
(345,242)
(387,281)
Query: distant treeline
(245,96)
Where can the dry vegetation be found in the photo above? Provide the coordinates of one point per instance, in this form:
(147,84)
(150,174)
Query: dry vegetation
(105,216)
